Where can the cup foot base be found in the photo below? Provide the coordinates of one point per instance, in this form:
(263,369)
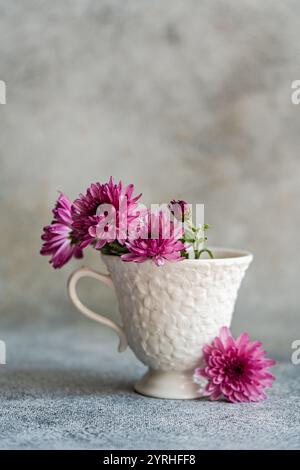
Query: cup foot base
(168,384)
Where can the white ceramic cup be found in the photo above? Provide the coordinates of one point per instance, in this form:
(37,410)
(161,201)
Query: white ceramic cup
(169,313)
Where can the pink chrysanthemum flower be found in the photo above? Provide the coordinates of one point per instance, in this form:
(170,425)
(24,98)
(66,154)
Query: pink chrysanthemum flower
(161,241)
(58,240)
(236,369)
(87,218)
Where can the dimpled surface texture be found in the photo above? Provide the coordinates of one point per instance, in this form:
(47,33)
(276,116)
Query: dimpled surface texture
(170,312)
(65,387)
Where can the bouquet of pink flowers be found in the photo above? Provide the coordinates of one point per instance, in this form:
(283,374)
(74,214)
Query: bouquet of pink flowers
(110,219)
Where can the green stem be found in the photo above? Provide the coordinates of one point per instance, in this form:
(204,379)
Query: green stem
(114,248)
(205,250)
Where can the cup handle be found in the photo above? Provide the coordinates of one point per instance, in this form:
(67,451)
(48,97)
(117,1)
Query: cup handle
(72,282)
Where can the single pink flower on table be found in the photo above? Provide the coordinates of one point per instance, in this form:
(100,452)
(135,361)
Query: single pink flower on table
(58,240)
(165,246)
(236,369)
(88,217)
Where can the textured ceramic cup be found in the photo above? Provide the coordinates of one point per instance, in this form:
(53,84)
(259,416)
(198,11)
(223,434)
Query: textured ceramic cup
(169,313)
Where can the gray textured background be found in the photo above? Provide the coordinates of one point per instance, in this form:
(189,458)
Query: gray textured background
(185,99)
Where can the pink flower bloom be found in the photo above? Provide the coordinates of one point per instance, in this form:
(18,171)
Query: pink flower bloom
(179,208)
(236,369)
(58,240)
(162,242)
(88,216)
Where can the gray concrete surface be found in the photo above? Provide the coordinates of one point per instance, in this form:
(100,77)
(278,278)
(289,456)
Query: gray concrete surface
(68,388)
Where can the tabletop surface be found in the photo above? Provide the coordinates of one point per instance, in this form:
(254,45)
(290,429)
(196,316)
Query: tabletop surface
(66,387)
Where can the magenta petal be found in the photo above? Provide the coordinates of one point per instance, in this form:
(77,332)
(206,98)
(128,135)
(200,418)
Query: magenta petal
(93,231)
(242,340)
(100,244)
(133,257)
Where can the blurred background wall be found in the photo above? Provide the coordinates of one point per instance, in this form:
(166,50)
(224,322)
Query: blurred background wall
(185,99)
